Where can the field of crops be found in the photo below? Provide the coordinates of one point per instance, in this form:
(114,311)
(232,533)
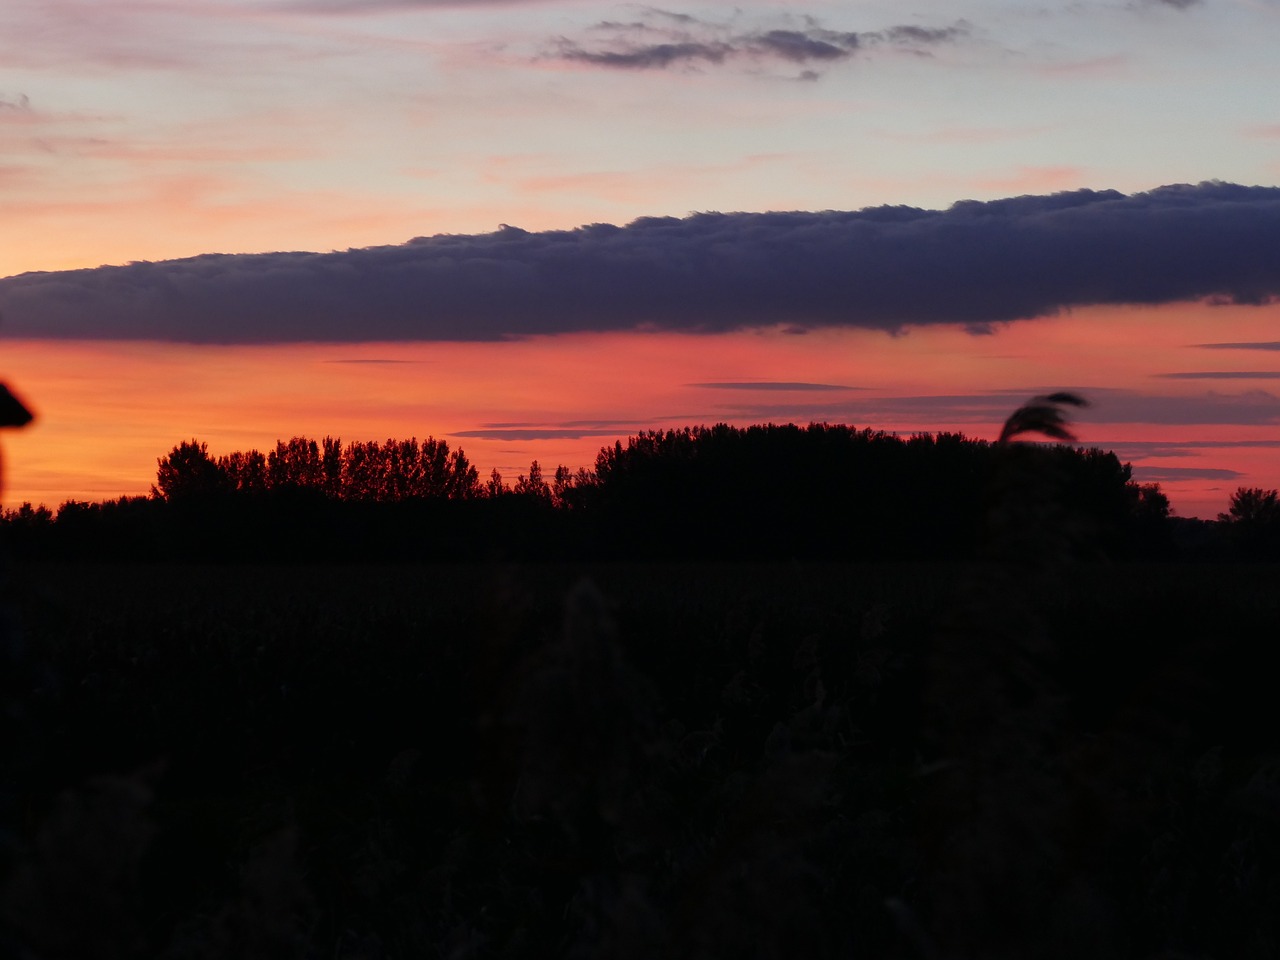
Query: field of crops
(625,760)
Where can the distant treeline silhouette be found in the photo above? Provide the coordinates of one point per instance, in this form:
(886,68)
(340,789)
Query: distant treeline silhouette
(826,491)
(392,471)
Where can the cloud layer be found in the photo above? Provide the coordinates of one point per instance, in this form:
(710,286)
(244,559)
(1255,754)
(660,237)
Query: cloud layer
(661,40)
(887,268)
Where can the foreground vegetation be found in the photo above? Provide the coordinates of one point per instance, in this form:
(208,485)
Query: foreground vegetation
(644,760)
(925,720)
(827,492)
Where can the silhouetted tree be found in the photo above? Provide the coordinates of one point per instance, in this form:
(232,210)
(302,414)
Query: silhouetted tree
(245,470)
(1253,505)
(360,471)
(188,472)
(1252,523)
(569,489)
(331,466)
(533,485)
(768,490)
(295,464)
(25,514)
(1152,503)
(442,473)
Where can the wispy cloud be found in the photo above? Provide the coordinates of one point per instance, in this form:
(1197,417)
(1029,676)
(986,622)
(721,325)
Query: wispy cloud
(773,386)
(1263,345)
(1107,406)
(660,40)
(1160,474)
(1250,407)
(885,268)
(11,104)
(1144,449)
(1222,375)
(546,432)
(347,7)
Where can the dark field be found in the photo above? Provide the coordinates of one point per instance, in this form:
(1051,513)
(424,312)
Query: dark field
(644,760)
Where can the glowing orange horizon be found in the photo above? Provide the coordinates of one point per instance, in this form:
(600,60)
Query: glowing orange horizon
(107,410)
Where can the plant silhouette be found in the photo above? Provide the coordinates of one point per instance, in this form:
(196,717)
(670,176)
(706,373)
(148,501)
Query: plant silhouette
(1042,415)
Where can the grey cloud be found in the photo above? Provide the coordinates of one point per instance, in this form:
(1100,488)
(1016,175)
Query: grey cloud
(1106,406)
(568,429)
(538,433)
(650,55)
(664,39)
(1175,4)
(672,15)
(771,385)
(345,7)
(1249,408)
(1222,375)
(1158,449)
(1161,474)
(885,268)
(874,411)
(802,47)
(925,36)
(20,103)
(1267,345)
(566,424)
(1178,447)
(1256,408)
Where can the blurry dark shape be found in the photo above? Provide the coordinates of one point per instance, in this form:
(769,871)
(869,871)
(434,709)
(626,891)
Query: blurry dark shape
(13,413)
(75,891)
(999,880)
(1042,415)
(586,722)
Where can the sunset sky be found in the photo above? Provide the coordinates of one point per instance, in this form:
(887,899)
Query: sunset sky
(534,227)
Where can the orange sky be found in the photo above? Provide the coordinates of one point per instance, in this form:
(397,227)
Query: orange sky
(106,411)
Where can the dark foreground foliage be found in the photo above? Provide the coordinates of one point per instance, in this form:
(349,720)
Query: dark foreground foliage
(1018,749)
(640,760)
(822,492)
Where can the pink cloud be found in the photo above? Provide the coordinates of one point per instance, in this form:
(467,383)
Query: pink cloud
(1037,179)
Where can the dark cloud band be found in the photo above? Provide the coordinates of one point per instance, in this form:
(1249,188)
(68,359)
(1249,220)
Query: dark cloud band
(1222,375)
(774,385)
(660,40)
(882,268)
(1267,345)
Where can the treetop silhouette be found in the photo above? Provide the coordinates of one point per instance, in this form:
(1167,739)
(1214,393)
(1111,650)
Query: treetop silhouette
(393,471)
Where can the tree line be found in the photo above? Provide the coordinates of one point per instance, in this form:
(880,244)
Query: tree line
(825,491)
(391,471)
